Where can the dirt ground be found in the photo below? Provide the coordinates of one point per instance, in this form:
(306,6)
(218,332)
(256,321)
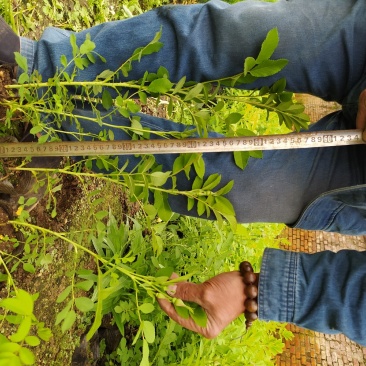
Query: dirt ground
(39,215)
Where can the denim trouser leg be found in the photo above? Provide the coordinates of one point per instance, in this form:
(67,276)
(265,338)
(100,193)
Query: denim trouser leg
(321,40)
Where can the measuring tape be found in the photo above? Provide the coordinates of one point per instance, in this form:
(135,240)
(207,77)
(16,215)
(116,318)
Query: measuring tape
(177,146)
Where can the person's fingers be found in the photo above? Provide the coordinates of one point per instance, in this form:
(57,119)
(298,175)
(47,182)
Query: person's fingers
(361,113)
(188,323)
(187,291)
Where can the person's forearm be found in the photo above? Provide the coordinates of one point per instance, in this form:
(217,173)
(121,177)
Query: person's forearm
(325,292)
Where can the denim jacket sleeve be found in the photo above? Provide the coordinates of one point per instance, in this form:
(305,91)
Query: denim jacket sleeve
(342,211)
(324,292)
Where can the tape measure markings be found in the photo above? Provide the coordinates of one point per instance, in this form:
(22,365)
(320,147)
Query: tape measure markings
(171,146)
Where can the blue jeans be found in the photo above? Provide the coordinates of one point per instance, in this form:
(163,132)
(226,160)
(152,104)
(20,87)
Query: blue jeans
(321,40)
(325,292)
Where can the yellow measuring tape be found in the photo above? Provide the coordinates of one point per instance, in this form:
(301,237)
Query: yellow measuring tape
(177,146)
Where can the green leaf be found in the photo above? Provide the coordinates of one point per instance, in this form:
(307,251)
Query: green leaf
(279,86)
(148,330)
(28,267)
(147,308)
(143,97)
(226,189)
(21,61)
(81,63)
(85,285)
(64,294)
(178,164)
(199,316)
(68,321)
(249,63)
(211,182)
(23,78)
(241,158)
(84,304)
(269,68)
(101,215)
(296,109)
(163,72)
(160,86)
(194,92)
(201,207)
(32,341)
(233,118)
(62,314)
(87,46)
(137,126)
(150,210)
(36,129)
(152,47)
(179,85)
(190,203)
(286,96)
(157,244)
(159,178)
(44,333)
(224,206)
(43,139)
(107,100)
(219,106)
(197,183)
(257,154)
(23,330)
(199,166)
(91,57)
(105,74)
(284,106)
(164,272)
(9,347)
(181,308)
(22,304)
(268,46)
(63,60)
(27,356)
(98,312)
(162,205)
(145,354)
(132,106)
(75,48)
(27,300)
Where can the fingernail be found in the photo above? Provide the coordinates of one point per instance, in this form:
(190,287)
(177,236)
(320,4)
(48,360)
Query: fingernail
(171,290)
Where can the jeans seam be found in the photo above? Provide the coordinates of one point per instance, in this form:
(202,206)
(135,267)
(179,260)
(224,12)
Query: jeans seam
(290,314)
(27,49)
(334,215)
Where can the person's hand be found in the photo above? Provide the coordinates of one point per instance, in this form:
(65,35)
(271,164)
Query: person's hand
(361,113)
(222,297)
